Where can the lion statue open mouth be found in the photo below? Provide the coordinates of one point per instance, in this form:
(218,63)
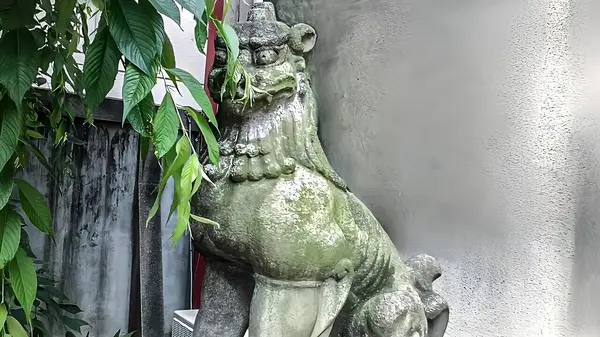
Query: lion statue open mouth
(296,253)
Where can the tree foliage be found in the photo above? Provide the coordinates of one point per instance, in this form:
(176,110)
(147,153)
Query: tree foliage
(39,42)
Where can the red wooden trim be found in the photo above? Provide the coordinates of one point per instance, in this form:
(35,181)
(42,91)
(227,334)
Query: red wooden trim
(199,264)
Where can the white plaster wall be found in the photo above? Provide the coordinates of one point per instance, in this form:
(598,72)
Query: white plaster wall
(472,129)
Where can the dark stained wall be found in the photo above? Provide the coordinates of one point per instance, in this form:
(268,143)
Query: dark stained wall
(96,222)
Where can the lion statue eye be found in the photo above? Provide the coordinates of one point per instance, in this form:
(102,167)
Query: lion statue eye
(266,57)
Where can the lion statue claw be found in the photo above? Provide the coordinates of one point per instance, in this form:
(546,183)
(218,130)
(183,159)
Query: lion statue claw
(296,253)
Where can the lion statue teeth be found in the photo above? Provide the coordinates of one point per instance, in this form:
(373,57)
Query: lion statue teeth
(296,253)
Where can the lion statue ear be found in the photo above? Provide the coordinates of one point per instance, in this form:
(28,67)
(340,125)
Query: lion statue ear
(303,38)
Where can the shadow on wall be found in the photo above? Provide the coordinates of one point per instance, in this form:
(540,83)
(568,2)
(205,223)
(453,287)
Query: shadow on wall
(585,298)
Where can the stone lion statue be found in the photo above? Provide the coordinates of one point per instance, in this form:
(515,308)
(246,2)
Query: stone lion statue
(296,254)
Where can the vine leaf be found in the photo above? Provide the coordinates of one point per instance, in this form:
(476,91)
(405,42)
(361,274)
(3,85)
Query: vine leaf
(19,62)
(15,328)
(136,87)
(74,324)
(183,221)
(40,157)
(100,68)
(167,8)
(204,220)
(197,91)
(133,33)
(168,55)
(17,14)
(190,173)
(207,133)
(231,38)
(3,314)
(10,129)
(71,308)
(35,206)
(210,6)
(140,117)
(65,11)
(6,185)
(165,126)
(172,163)
(10,234)
(201,33)
(168,60)
(193,6)
(23,280)
(157,23)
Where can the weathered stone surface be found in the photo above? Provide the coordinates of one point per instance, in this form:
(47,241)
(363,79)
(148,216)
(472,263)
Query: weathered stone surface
(318,261)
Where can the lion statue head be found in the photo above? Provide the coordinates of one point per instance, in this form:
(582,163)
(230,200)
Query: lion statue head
(272,54)
(278,131)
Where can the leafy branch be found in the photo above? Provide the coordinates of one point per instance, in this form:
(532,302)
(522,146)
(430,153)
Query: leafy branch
(39,41)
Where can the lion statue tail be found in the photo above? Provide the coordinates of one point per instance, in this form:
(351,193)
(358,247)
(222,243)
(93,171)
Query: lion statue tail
(426,270)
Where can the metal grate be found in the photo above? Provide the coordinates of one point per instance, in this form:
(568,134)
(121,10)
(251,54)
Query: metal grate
(183,323)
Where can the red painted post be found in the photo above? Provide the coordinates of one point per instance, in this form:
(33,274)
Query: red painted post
(199,264)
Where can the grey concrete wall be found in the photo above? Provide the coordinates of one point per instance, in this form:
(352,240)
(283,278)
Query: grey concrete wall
(93,256)
(472,130)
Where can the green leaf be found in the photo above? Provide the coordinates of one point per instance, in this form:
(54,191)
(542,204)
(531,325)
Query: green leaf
(140,117)
(168,8)
(183,221)
(19,62)
(100,68)
(74,324)
(10,129)
(201,34)
(6,184)
(204,220)
(189,173)
(34,134)
(157,23)
(133,33)
(41,158)
(168,60)
(198,181)
(73,45)
(197,91)
(15,328)
(3,315)
(35,206)
(136,87)
(76,75)
(39,327)
(10,234)
(210,6)
(232,40)
(207,133)
(65,12)
(23,280)
(168,55)
(195,7)
(18,13)
(70,308)
(182,153)
(165,126)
